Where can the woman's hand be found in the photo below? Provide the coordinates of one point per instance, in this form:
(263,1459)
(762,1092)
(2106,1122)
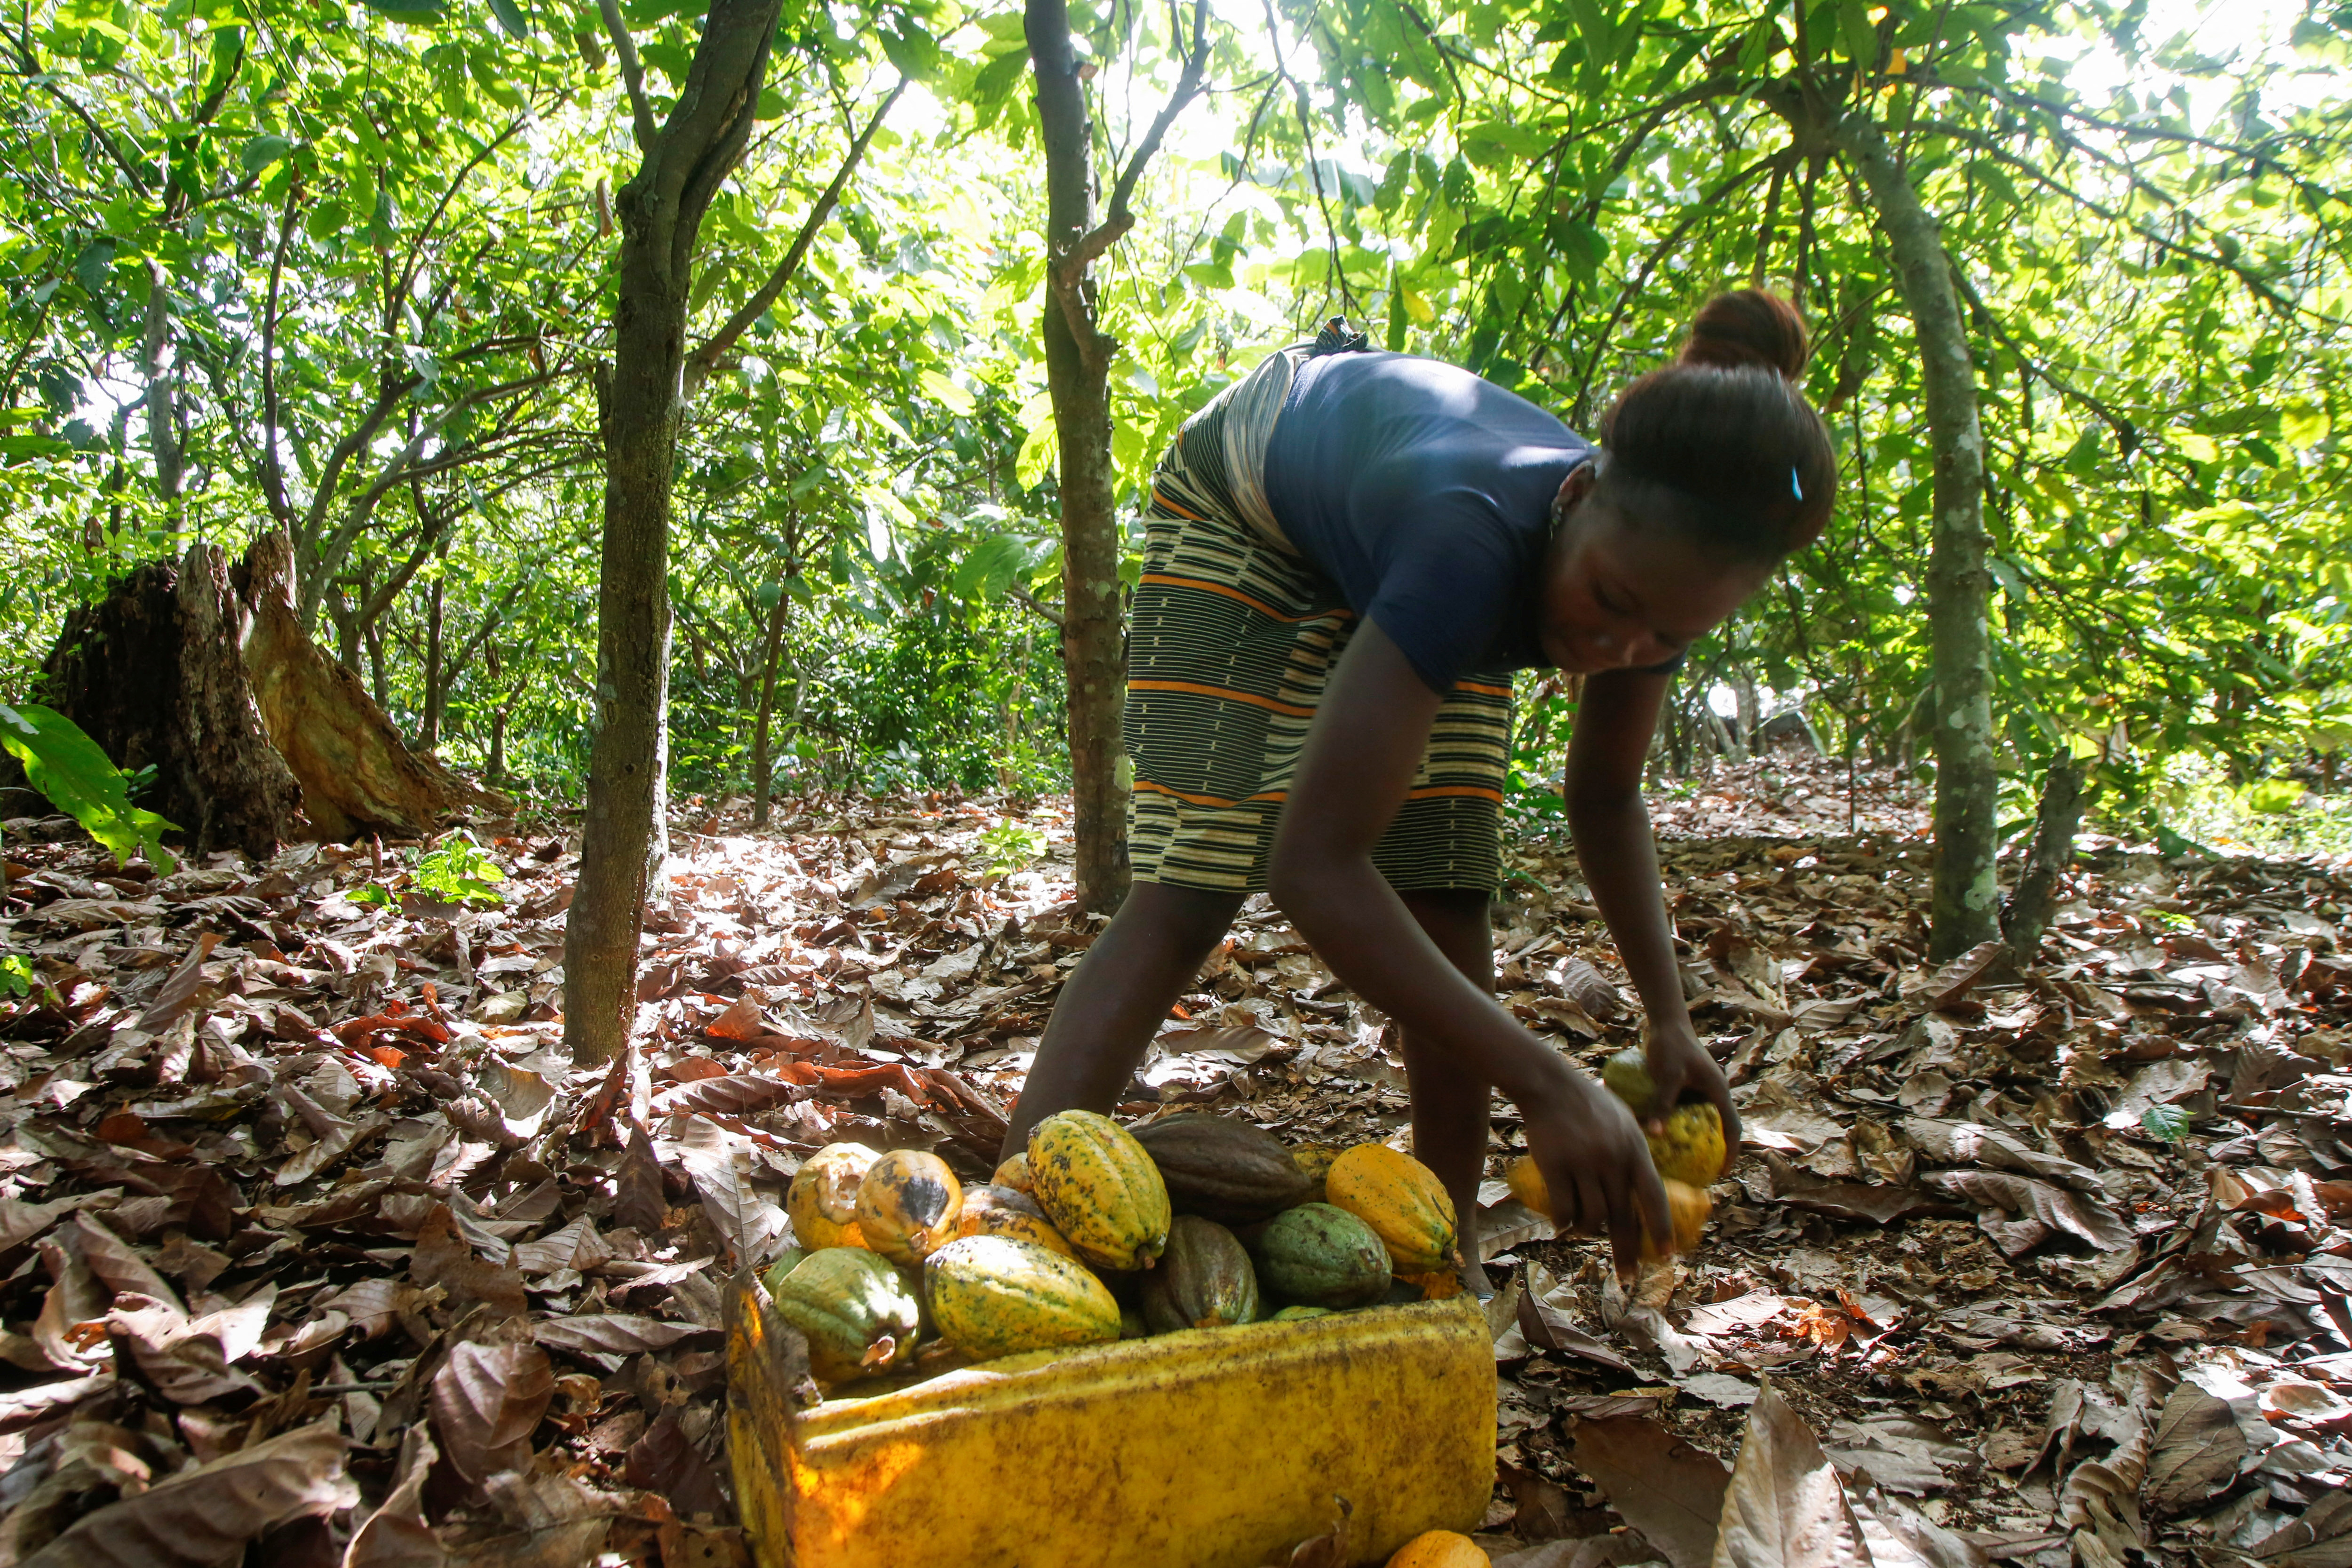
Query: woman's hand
(1596,1165)
(1678,1062)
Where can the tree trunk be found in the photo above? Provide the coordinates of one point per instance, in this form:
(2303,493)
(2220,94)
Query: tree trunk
(762,764)
(660,212)
(1077,377)
(1965,908)
(152,673)
(428,730)
(355,770)
(378,686)
(2057,818)
(163,403)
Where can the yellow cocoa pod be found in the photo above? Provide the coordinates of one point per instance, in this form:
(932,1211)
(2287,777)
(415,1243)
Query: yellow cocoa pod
(1688,1206)
(1402,1200)
(1686,1202)
(1440,1549)
(1100,1189)
(907,1205)
(1315,1160)
(1527,1185)
(1013,1174)
(1689,1148)
(1002,1211)
(992,1296)
(1442,1286)
(823,1199)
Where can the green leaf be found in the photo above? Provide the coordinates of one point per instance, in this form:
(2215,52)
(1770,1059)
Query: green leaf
(2166,1122)
(991,567)
(911,49)
(95,263)
(1857,32)
(2172,845)
(999,76)
(956,399)
(262,152)
(2274,798)
(66,765)
(408,10)
(511,16)
(1039,453)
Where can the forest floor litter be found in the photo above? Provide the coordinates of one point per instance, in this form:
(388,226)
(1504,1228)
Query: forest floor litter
(299,1186)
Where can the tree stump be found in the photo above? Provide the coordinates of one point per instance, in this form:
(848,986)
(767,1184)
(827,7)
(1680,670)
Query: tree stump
(208,674)
(152,672)
(355,770)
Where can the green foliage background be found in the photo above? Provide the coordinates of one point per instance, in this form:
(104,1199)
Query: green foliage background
(383,234)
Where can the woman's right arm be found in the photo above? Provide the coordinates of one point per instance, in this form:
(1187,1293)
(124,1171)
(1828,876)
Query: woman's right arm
(1360,757)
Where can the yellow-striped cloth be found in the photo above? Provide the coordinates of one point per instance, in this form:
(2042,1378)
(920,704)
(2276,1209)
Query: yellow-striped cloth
(1231,638)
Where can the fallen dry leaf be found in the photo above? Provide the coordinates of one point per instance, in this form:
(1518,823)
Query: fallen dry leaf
(1670,1491)
(206,1517)
(1784,1507)
(487,1400)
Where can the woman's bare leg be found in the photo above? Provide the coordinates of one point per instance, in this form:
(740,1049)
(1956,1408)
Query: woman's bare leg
(1449,1106)
(1115,999)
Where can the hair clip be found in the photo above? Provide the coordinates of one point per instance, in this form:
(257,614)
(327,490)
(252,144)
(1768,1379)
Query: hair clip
(1794,488)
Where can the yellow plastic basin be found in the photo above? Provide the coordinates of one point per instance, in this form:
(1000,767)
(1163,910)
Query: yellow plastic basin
(1210,1448)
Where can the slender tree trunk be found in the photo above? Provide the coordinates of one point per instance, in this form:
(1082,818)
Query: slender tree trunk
(345,616)
(378,687)
(660,212)
(428,734)
(163,403)
(762,762)
(1965,900)
(1077,376)
(2057,818)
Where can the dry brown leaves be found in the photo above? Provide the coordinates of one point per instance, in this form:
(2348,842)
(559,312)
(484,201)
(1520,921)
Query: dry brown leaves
(2053,1264)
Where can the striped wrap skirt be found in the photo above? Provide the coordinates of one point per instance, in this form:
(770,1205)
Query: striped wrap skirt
(1232,637)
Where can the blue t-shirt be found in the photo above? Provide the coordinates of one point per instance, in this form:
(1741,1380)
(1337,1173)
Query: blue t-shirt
(1424,493)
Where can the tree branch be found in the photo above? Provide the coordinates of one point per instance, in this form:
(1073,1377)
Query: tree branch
(424,230)
(1120,219)
(273,478)
(704,360)
(1028,601)
(1705,207)
(633,74)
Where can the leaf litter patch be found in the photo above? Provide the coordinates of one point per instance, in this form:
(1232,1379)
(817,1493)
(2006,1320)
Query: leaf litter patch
(301,1191)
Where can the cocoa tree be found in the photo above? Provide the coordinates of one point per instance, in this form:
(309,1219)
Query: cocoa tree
(1079,356)
(686,160)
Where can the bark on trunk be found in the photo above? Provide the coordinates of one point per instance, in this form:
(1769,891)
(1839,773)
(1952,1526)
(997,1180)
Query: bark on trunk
(1077,376)
(1965,908)
(152,673)
(660,212)
(2056,819)
(762,762)
(356,772)
(428,730)
(163,403)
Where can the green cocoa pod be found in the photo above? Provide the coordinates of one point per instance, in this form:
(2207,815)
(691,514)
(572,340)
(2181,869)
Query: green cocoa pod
(1204,1280)
(1320,1255)
(854,1308)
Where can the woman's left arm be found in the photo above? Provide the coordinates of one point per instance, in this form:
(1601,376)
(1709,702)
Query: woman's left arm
(1615,720)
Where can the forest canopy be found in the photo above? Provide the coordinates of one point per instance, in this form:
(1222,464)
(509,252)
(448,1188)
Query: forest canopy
(349,273)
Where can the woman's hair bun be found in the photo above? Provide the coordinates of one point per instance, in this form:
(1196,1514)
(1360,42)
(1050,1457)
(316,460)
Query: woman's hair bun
(1748,327)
